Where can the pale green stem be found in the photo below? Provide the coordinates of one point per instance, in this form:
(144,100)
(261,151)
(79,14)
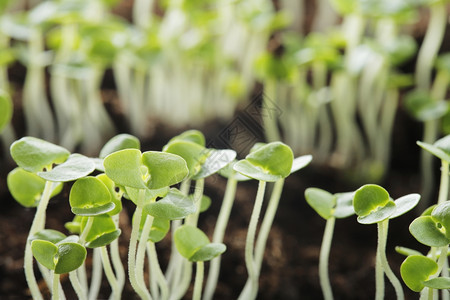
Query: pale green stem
(324,257)
(219,232)
(140,256)
(382,238)
(431,44)
(116,292)
(86,230)
(156,270)
(199,272)
(443,187)
(81,294)
(269,111)
(379,278)
(198,193)
(184,281)
(96,275)
(37,225)
(426,161)
(249,245)
(55,287)
(117,264)
(141,291)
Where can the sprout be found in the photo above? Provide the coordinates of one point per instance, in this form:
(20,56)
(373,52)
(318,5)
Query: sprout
(329,207)
(373,205)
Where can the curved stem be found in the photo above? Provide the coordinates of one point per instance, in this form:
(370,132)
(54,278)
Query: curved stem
(198,193)
(324,257)
(55,287)
(117,264)
(198,281)
(140,256)
(382,238)
(110,274)
(96,274)
(37,225)
(219,232)
(77,286)
(141,291)
(86,230)
(249,245)
(156,271)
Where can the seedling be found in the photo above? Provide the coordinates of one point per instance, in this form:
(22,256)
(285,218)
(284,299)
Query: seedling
(267,163)
(142,174)
(194,245)
(373,204)
(38,157)
(329,207)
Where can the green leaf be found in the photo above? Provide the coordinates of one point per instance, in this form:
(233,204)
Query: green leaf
(120,142)
(76,166)
(6,109)
(192,135)
(344,205)
(26,188)
(115,192)
(133,194)
(165,169)
(416,269)
(321,201)
(300,162)
(372,204)
(215,161)
(274,158)
(428,232)
(103,231)
(70,257)
(441,213)
(74,226)
(246,168)
(205,204)
(48,235)
(438,149)
(189,240)
(34,155)
(194,154)
(208,252)
(405,204)
(440,283)
(160,228)
(124,168)
(45,253)
(229,171)
(89,196)
(423,107)
(174,206)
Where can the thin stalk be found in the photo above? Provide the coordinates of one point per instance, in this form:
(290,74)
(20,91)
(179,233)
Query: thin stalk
(269,113)
(381,250)
(37,225)
(141,291)
(443,187)
(219,232)
(199,272)
(140,256)
(431,44)
(81,294)
(86,230)
(249,245)
(379,278)
(198,193)
(156,271)
(55,287)
(116,292)
(96,275)
(117,264)
(324,257)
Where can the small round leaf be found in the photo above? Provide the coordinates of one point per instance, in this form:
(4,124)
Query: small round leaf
(33,154)
(45,253)
(103,231)
(120,142)
(440,283)
(70,257)
(208,252)
(76,166)
(416,269)
(189,240)
(194,154)
(321,201)
(274,158)
(174,206)
(124,168)
(215,161)
(89,196)
(426,230)
(344,205)
(405,204)
(372,204)
(48,235)
(300,162)
(165,169)
(246,168)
